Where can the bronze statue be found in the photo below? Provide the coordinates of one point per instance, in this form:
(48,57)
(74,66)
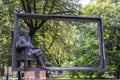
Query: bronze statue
(24,42)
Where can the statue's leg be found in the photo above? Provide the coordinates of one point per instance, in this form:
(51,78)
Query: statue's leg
(42,57)
(46,62)
(40,60)
(38,56)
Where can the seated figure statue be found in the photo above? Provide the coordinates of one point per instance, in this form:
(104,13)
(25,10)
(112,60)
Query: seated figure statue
(24,42)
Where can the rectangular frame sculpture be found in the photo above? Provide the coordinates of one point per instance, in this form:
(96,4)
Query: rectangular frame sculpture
(98,20)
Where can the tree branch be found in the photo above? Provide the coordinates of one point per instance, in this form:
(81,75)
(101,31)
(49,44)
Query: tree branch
(34,29)
(43,21)
(41,24)
(51,8)
(29,23)
(28,7)
(34,3)
(23,4)
(62,41)
(53,40)
(46,2)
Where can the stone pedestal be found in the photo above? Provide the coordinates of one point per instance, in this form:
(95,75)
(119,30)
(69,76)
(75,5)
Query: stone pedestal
(35,75)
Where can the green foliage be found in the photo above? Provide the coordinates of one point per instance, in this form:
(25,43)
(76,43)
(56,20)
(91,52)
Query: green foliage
(109,12)
(7,8)
(46,34)
(6,22)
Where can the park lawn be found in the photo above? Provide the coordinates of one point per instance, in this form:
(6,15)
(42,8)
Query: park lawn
(58,78)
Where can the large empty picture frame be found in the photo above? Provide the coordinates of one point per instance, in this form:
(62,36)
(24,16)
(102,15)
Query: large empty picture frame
(97,20)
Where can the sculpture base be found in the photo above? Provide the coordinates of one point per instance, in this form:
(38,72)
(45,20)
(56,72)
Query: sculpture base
(35,75)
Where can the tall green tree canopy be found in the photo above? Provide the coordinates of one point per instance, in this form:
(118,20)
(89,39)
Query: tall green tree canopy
(7,8)
(108,10)
(59,7)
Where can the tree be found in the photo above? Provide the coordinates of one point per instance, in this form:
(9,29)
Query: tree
(46,7)
(36,27)
(6,22)
(108,10)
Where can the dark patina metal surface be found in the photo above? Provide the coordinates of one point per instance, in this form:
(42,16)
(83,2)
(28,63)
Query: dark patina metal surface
(98,20)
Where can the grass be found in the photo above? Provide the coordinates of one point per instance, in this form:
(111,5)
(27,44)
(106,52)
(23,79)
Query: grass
(58,78)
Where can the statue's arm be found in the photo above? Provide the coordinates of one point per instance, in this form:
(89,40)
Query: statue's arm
(20,43)
(36,47)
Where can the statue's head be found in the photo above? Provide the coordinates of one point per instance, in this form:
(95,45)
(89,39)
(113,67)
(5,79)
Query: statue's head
(24,31)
